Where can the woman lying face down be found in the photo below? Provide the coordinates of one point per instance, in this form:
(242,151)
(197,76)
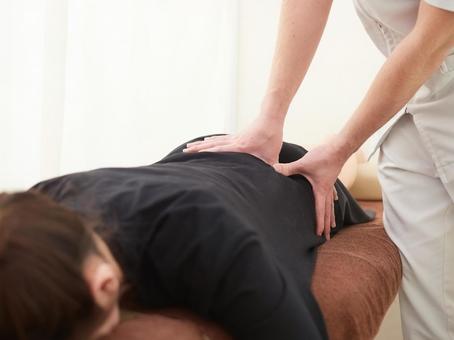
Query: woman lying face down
(58,278)
(220,234)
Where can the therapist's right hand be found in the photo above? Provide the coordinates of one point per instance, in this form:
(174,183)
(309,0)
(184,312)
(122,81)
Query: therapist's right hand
(262,139)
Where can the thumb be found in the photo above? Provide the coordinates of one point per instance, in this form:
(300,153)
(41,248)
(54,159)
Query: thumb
(287,169)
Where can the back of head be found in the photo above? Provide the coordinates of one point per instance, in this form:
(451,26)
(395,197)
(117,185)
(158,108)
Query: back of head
(42,249)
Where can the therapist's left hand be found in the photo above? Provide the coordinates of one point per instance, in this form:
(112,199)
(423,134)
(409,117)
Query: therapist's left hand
(320,166)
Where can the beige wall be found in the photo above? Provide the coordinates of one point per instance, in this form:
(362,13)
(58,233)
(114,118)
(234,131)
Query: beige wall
(343,68)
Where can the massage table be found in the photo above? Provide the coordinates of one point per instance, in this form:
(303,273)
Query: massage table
(356,278)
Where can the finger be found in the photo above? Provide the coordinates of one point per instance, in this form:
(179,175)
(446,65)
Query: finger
(333,215)
(221,148)
(196,142)
(327,226)
(320,213)
(204,145)
(208,139)
(223,137)
(336,197)
(286,169)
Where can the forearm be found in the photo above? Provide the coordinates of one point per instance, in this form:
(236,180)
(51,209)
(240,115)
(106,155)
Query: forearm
(406,70)
(301,26)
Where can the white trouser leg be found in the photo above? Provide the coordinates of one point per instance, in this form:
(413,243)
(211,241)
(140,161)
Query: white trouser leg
(419,218)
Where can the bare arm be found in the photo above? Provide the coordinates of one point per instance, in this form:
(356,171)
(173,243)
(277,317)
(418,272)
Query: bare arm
(301,26)
(406,70)
(300,30)
(409,66)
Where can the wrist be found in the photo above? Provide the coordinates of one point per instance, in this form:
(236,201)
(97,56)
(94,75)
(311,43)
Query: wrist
(344,146)
(275,106)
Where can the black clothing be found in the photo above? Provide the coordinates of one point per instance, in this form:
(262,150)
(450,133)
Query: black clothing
(222,234)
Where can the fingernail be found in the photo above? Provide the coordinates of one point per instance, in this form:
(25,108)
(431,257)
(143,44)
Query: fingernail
(185,150)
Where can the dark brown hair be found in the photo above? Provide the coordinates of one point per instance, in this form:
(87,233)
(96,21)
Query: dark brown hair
(42,250)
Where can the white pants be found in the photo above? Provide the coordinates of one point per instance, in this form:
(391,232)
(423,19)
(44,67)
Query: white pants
(419,218)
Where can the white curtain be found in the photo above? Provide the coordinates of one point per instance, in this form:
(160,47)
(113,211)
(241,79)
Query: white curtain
(94,83)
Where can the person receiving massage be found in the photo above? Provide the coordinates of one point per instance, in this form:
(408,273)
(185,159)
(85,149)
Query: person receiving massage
(416,158)
(221,234)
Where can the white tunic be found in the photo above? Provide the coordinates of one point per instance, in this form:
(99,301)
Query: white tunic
(387,23)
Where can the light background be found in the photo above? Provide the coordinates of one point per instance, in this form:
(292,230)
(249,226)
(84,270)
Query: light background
(343,68)
(86,84)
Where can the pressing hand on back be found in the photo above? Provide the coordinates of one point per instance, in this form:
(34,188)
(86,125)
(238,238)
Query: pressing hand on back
(320,166)
(262,139)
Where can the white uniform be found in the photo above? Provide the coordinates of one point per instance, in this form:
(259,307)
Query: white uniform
(416,171)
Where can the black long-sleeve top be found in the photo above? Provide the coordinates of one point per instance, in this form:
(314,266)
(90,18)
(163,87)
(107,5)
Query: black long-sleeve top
(222,234)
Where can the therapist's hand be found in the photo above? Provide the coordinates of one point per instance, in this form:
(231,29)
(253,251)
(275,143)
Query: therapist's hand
(320,166)
(263,139)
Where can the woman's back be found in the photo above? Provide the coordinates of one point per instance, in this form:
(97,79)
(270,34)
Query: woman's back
(220,233)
